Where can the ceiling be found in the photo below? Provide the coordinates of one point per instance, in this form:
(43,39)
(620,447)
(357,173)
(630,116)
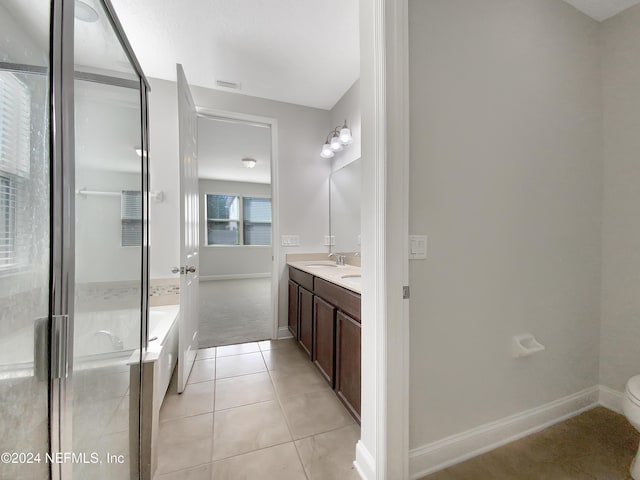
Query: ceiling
(602,9)
(298,51)
(223,144)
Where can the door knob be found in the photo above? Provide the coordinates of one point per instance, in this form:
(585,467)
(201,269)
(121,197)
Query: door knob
(191,269)
(177,270)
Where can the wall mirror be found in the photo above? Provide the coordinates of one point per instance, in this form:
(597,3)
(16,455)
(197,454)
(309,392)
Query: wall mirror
(344,208)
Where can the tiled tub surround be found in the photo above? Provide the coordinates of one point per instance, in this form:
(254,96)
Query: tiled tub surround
(164,291)
(255,410)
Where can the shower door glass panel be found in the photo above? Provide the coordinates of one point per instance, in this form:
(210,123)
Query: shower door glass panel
(24,236)
(108,270)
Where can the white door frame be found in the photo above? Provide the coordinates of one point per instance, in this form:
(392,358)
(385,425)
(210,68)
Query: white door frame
(206,112)
(383,450)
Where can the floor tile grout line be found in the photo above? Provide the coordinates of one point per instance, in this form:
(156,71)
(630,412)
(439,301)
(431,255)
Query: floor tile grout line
(253,451)
(213,423)
(193,467)
(286,419)
(245,405)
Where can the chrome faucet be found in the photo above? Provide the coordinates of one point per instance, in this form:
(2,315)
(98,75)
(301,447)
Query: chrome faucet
(116,342)
(339,258)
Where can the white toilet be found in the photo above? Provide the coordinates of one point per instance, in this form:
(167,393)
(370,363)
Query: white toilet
(631,408)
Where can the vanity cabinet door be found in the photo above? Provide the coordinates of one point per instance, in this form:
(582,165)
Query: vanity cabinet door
(348,363)
(324,328)
(305,319)
(293,308)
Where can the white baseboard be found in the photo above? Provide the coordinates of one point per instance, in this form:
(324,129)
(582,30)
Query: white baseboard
(458,448)
(283,332)
(238,276)
(364,462)
(611,399)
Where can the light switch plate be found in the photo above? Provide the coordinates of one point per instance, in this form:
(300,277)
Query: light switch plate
(290,240)
(329,240)
(417,247)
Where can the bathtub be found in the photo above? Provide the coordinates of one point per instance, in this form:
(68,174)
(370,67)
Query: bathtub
(100,338)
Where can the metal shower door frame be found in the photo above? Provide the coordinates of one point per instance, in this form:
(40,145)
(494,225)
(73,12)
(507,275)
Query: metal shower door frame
(62,263)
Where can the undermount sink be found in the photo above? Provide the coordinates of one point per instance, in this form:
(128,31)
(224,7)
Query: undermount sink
(352,279)
(318,265)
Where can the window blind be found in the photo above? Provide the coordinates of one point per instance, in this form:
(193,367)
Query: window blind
(131,215)
(257,221)
(15,125)
(8,231)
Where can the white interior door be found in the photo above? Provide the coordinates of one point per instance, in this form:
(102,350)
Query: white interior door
(189,235)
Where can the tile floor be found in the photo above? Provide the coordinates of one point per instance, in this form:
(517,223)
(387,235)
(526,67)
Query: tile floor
(596,445)
(255,410)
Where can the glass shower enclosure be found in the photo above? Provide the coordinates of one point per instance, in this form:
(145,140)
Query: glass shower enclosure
(73,242)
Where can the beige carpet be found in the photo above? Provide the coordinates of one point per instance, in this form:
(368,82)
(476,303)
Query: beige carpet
(235,311)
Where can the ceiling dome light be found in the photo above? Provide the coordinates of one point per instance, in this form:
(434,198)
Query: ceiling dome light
(336,144)
(85,13)
(249,162)
(327,152)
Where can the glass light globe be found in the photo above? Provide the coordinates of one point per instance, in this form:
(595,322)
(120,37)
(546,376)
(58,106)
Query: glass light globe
(345,136)
(327,152)
(336,144)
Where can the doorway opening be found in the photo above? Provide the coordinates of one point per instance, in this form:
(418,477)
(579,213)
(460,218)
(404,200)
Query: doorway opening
(238,224)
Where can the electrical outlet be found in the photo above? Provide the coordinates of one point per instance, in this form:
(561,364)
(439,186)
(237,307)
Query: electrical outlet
(290,240)
(329,240)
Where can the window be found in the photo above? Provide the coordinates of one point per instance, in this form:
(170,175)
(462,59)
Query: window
(236,220)
(223,220)
(257,221)
(131,214)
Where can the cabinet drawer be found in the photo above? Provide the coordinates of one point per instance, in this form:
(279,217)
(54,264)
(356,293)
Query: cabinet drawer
(301,278)
(345,300)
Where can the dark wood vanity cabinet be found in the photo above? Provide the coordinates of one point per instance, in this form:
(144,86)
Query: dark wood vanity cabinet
(324,335)
(325,319)
(293,308)
(348,343)
(305,320)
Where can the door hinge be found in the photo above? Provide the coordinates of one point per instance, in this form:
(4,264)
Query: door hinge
(59,346)
(406,292)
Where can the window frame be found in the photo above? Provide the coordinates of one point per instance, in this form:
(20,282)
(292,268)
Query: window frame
(241,239)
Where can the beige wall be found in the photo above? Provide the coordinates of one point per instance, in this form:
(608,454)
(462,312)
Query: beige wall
(506,179)
(620,355)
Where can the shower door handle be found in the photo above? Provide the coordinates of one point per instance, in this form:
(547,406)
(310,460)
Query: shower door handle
(59,346)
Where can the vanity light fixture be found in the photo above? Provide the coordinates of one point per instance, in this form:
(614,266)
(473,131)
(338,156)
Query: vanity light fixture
(337,139)
(249,162)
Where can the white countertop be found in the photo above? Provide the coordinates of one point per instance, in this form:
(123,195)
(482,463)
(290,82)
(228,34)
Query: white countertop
(327,270)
